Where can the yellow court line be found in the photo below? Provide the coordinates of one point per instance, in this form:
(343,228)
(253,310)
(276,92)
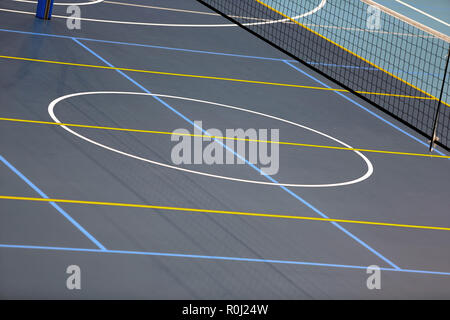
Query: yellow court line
(226,138)
(351,52)
(251,214)
(207,77)
(395,95)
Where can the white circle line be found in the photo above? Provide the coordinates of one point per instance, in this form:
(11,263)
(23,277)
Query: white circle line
(320,6)
(362,178)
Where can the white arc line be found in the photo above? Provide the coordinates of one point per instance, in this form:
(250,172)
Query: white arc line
(320,6)
(362,178)
(65,4)
(423,12)
(231,25)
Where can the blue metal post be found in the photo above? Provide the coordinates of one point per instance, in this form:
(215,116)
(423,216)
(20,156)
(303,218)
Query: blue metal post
(44,9)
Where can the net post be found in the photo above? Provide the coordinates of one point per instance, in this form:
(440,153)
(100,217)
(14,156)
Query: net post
(44,9)
(434,136)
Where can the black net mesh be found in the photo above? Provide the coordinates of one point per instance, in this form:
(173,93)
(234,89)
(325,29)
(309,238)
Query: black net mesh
(386,60)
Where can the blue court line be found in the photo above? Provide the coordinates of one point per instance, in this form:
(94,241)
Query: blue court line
(222,258)
(306,203)
(362,107)
(212,52)
(55,205)
(142,45)
(417,73)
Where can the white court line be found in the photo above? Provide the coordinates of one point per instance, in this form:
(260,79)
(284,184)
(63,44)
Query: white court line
(362,178)
(320,6)
(147,7)
(423,12)
(178,10)
(371,31)
(164,8)
(65,4)
(203,25)
(159,8)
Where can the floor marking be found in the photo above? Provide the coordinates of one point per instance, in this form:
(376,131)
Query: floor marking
(149,46)
(370,31)
(363,108)
(347,50)
(320,6)
(52,203)
(213,78)
(408,20)
(205,257)
(423,12)
(208,52)
(170,74)
(365,176)
(163,8)
(179,10)
(224,25)
(284,188)
(428,155)
(265,21)
(395,269)
(65,4)
(225,212)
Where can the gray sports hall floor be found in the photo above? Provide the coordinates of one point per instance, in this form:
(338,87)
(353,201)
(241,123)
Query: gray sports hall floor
(128,252)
